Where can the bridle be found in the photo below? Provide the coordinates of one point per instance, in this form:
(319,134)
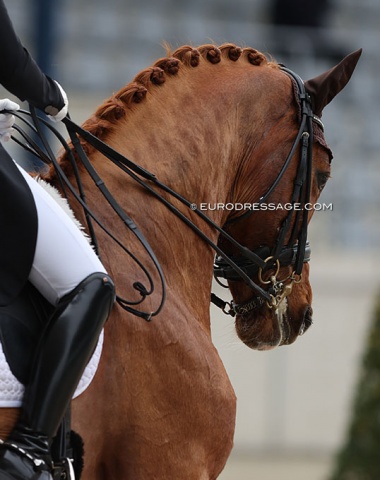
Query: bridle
(246,264)
(297,251)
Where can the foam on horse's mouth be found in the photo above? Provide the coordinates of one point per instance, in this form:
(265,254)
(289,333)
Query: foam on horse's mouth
(283,324)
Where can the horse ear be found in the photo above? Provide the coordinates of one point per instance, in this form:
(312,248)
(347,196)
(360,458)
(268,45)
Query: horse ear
(326,86)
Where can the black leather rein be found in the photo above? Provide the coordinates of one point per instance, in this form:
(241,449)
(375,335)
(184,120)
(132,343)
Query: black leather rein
(141,176)
(248,263)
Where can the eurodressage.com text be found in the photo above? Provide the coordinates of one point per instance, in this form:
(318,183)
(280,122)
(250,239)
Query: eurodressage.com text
(263,206)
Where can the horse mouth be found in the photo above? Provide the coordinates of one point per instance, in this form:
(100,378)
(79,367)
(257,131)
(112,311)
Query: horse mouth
(263,334)
(268,331)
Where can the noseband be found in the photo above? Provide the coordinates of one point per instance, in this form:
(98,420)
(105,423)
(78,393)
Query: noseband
(297,251)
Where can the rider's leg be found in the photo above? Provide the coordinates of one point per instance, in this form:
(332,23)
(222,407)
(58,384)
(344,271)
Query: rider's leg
(69,275)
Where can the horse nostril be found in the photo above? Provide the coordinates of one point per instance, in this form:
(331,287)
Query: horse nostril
(307,320)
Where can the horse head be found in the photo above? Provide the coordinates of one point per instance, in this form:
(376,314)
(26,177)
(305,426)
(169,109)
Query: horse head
(274,229)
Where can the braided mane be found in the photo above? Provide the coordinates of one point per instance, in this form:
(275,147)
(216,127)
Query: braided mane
(117,106)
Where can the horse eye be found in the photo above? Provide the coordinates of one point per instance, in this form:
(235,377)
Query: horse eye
(322,178)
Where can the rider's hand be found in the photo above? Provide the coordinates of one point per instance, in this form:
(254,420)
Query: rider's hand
(53,113)
(7,119)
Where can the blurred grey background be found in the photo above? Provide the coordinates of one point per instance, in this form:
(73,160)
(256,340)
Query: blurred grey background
(293,403)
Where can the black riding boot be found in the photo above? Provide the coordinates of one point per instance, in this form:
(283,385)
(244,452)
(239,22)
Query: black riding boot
(65,349)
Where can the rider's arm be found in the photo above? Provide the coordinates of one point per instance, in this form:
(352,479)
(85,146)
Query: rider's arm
(20,74)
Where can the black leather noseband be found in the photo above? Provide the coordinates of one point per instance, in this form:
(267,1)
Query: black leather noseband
(287,257)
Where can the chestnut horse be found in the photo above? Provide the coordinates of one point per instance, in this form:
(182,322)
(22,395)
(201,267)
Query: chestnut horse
(218,126)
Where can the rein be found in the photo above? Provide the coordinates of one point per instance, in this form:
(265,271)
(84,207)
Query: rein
(48,157)
(136,172)
(247,264)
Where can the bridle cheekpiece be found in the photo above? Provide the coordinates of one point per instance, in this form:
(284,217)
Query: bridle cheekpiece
(297,251)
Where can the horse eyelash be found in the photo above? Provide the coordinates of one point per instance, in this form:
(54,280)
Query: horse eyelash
(322,178)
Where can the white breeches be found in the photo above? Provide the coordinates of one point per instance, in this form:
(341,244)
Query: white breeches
(63,256)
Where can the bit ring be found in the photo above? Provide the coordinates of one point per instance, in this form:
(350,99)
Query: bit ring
(267,282)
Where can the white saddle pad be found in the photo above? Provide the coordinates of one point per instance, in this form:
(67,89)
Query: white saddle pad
(12,391)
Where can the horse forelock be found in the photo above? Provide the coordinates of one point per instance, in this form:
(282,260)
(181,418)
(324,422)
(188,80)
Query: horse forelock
(127,98)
